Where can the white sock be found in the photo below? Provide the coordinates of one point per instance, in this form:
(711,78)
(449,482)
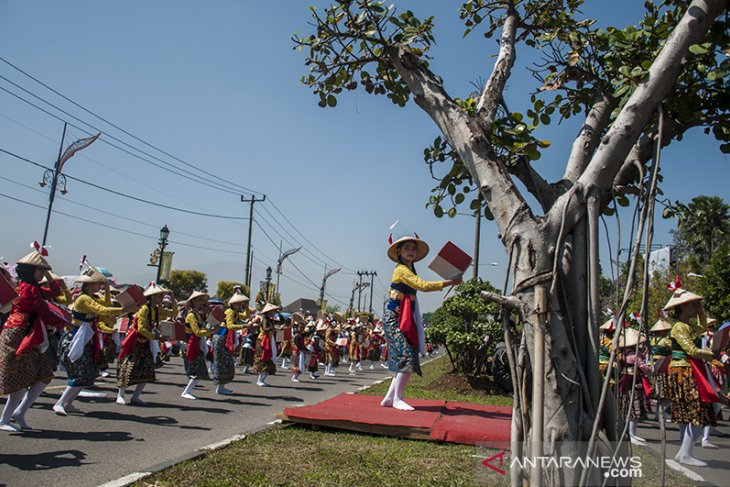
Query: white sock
(30,397)
(401,381)
(685,451)
(120,396)
(388,399)
(13,401)
(189,388)
(137,392)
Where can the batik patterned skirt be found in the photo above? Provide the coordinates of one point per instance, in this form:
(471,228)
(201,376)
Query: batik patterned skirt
(224,365)
(136,368)
(660,386)
(83,372)
(402,356)
(636,408)
(196,369)
(109,353)
(17,373)
(686,405)
(267,366)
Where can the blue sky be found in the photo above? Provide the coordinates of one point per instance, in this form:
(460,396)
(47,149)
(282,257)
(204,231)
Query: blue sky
(216,84)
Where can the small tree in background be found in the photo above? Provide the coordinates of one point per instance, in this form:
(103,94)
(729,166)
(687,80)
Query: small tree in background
(715,286)
(467,326)
(183,283)
(226,289)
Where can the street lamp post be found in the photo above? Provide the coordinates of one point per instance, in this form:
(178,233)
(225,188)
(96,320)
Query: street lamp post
(164,234)
(54,177)
(324,283)
(282,257)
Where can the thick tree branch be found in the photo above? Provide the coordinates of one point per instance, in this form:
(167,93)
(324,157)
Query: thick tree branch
(589,137)
(494,87)
(633,118)
(463,134)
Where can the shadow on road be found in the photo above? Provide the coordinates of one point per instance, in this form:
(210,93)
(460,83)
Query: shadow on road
(45,461)
(78,435)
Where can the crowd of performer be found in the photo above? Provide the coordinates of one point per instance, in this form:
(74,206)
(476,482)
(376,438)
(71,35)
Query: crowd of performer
(678,368)
(681,366)
(86,333)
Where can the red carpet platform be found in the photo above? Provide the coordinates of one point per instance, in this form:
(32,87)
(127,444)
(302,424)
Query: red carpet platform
(455,422)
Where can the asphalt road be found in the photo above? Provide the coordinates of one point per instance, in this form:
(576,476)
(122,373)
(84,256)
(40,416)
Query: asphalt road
(717,471)
(109,441)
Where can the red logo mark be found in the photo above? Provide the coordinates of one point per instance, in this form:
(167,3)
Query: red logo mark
(488,462)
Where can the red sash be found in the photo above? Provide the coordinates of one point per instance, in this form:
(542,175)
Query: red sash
(193,349)
(231,341)
(407,322)
(707,392)
(33,339)
(266,353)
(130,340)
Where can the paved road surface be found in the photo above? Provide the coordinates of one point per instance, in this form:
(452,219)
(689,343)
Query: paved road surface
(717,471)
(110,441)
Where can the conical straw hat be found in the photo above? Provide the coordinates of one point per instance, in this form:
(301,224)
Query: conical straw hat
(196,294)
(238,298)
(680,297)
(270,307)
(421,248)
(35,258)
(608,325)
(661,325)
(154,289)
(630,338)
(91,275)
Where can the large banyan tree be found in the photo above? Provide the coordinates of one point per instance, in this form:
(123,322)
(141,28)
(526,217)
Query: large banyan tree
(638,88)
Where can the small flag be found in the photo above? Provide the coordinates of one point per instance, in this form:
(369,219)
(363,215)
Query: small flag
(77,146)
(83,262)
(677,284)
(450,262)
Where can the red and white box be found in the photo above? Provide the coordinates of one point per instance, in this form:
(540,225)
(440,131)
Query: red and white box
(216,316)
(132,297)
(7,294)
(451,262)
(122,325)
(61,311)
(173,330)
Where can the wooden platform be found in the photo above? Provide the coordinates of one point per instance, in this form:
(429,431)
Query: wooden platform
(434,420)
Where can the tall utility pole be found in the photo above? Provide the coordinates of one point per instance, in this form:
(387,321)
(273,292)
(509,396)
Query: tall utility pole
(268,285)
(359,288)
(478,217)
(372,288)
(251,200)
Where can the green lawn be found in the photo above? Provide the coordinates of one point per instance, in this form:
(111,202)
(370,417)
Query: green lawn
(296,455)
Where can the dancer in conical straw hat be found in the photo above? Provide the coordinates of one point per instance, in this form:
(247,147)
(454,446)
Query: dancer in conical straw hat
(136,364)
(266,353)
(690,395)
(226,342)
(196,336)
(402,322)
(81,347)
(24,370)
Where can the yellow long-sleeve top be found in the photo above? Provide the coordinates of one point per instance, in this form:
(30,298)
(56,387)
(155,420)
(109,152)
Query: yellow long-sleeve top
(146,316)
(683,344)
(65,297)
(91,308)
(233,319)
(402,274)
(196,325)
